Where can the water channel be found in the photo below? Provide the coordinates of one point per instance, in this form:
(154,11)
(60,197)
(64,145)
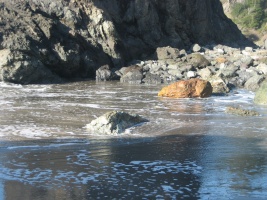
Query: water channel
(189,149)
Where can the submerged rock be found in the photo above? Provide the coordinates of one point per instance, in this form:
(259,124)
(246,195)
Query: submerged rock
(241,112)
(114,122)
(187,89)
(261,94)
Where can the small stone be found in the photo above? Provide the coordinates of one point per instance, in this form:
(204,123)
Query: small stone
(191,74)
(196,48)
(205,73)
(249,49)
(218,84)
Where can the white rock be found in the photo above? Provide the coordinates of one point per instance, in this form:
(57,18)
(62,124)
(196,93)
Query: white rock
(191,74)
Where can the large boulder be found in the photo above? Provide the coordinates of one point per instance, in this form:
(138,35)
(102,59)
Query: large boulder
(17,67)
(114,122)
(261,94)
(132,74)
(187,89)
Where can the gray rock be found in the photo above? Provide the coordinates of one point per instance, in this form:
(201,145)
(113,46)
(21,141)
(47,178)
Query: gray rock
(191,74)
(183,53)
(196,48)
(254,82)
(247,60)
(164,53)
(176,73)
(17,67)
(261,94)
(262,68)
(228,71)
(152,79)
(205,73)
(197,60)
(219,85)
(249,49)
(132,74)
(105,74)
(173,67)
(114,123)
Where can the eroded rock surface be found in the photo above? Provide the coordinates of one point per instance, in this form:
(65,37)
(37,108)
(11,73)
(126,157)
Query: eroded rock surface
(114,122)
(73,38)
(187,89)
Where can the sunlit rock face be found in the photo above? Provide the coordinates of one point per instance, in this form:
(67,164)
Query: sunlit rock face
(187,89)
(114,123)
(73,38)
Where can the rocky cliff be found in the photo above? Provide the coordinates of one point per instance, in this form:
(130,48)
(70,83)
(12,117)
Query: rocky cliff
(47,41)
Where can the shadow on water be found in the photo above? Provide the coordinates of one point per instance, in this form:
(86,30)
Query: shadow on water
(167,167)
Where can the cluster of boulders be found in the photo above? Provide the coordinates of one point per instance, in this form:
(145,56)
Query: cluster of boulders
(195,73)
(224,67)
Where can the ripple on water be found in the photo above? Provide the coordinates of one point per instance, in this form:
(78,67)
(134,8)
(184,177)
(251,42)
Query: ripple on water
(145,178)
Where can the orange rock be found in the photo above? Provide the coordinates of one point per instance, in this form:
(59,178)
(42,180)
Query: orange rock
(221,60)
(187,89)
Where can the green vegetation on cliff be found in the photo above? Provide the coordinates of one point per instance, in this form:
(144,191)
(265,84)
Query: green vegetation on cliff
(250,14)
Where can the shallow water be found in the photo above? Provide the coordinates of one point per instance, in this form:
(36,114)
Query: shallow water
(189,149)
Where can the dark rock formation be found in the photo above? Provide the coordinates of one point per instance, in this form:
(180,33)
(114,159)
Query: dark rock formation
(73,38)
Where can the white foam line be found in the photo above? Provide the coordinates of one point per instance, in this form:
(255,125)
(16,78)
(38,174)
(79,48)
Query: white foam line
(21,147)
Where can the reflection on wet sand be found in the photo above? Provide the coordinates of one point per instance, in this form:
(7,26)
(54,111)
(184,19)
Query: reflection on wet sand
(167,167)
